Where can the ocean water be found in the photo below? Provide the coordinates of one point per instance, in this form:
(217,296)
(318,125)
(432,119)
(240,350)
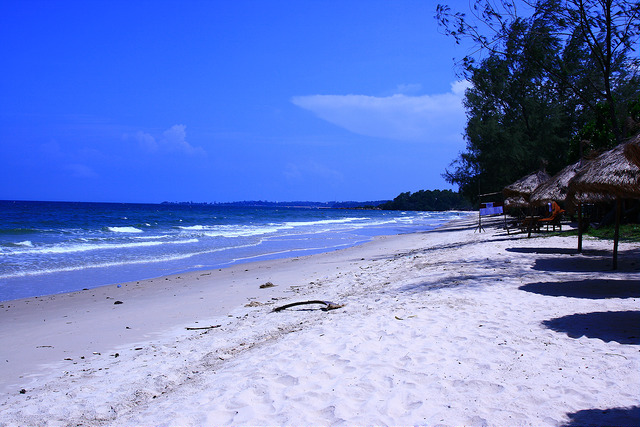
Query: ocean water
(54,247)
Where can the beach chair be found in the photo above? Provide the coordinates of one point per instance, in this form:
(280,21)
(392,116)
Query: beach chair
(554,219)
(529,224)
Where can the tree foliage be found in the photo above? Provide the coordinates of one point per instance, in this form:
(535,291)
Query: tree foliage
(429,200)
(551,80)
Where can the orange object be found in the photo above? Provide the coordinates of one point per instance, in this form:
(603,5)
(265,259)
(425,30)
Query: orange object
(554,218)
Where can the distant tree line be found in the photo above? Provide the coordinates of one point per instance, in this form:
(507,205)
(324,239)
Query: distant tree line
(294,204)
(358,205)
(552,81)
(428,200)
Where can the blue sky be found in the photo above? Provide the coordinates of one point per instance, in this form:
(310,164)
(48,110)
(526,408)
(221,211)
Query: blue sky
(146,101)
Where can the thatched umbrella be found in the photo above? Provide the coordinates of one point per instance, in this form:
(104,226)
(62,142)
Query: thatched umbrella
(632,150)
(515,202)
(517,194)
(523,187)
(555,189)
(610,174)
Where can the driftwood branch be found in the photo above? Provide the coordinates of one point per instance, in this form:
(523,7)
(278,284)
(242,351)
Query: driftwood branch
(328,305)
(203,327)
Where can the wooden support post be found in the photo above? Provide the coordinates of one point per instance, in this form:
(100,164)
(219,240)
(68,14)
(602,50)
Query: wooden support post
(479,228)
(579,227)
(616,235)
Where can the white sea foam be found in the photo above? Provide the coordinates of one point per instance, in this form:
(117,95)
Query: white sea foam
(379,222)
(84,247)
(347,225)
(27,243)
(124,230)
(195,227)
(154,237)
(244,231)
(145,260)
(293,250)
(254,230)
(236,230)
(324,221)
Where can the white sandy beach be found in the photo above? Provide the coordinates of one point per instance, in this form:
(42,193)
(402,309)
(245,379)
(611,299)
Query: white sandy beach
(448,327)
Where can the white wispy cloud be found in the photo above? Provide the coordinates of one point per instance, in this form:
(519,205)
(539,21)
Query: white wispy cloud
(311,170)
(172,140)
(409,88)
(427,118)
(146,141)
(81,171)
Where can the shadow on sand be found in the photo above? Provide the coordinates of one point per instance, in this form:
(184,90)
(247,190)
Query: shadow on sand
(628,261)
(619,326)
(623,417)
(559,251)
(589,288)
(590,260)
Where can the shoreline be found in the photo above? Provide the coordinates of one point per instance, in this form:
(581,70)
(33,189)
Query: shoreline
(415,306)
(121,324)
(162,252)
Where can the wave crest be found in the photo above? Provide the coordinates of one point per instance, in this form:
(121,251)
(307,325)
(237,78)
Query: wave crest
(124,230)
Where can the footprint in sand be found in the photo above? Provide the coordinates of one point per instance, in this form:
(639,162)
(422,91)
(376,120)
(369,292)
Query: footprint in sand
(287,380)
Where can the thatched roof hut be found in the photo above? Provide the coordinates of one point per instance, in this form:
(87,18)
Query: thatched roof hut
(555,189)
(609,174)
(632,150)
(522,188)
(574,198)
(515,202)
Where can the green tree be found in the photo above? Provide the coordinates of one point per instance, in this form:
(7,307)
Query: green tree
(428,200)
(596,41)
(517,121)
(542,77)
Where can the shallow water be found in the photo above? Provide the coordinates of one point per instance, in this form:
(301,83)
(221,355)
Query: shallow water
(54,247)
